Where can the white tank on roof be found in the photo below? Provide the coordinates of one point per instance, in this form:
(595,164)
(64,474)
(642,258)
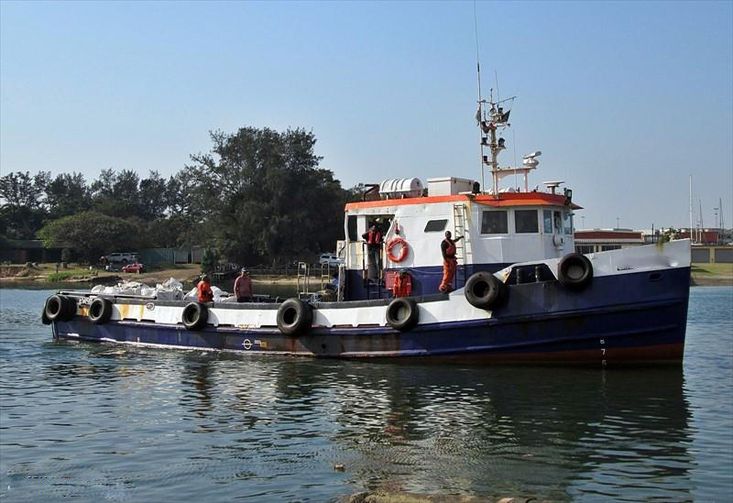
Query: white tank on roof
(449,186)
(396,188)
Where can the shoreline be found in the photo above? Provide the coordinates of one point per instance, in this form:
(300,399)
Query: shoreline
(151,279)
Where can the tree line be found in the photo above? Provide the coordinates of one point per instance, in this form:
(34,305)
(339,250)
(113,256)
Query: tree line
(258,197)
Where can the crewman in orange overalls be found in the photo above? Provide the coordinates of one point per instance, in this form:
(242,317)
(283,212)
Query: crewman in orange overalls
(373,238)
(402,284)
(448,249)
(203,290)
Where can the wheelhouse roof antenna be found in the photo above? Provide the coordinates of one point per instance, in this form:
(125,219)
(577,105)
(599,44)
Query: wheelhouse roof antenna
(478,83)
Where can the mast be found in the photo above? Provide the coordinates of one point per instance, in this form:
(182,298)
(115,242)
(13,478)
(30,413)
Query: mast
(492,119)
(489,122)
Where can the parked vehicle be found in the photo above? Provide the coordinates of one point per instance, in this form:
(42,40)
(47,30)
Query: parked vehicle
(121,258)
(330,259)
(134,267)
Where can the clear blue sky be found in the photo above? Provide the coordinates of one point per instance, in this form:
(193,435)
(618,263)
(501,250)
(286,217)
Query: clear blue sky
(625,100)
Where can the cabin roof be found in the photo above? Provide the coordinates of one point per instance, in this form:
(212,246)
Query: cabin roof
(502,200)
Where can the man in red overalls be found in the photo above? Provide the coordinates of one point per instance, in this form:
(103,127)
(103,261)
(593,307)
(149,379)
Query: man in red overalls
(204,290)
(448,249)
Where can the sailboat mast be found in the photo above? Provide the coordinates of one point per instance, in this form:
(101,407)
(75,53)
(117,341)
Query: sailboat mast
(691,236)
(700,229)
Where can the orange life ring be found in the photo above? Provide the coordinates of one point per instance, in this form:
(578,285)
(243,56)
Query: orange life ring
(403,250)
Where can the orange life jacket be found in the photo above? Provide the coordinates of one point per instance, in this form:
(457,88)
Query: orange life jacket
(450,250)
(374,238)
(204,291)
(402,285)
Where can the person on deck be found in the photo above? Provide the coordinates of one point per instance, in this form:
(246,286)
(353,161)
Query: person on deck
(243,287)
(402,284)
(448,249)
(203,289)
(373,238)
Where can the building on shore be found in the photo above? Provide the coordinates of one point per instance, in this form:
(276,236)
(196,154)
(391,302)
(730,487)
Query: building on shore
(709,245)
(598,240)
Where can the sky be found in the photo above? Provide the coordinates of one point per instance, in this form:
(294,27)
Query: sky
(626,101)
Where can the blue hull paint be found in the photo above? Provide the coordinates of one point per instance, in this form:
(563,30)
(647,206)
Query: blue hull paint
(617,319)
(425,280)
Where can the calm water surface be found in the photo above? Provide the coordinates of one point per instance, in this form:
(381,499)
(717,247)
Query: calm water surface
(107,423)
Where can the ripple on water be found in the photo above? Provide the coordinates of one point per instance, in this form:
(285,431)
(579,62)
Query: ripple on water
(96,422)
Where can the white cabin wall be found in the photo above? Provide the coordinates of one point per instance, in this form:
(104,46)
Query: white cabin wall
(424,246)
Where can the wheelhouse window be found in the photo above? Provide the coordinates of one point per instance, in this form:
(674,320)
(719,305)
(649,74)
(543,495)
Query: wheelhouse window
(567,222)
(547,221)
(351,227)
(494,222)
(525,221)
(436,225)
(557,221)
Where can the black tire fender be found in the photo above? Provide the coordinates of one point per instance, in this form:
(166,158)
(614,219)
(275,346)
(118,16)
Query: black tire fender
(195,315)
(484,291)
(59,308)
(100,311)
(575,271)
(402,313)
(294,317)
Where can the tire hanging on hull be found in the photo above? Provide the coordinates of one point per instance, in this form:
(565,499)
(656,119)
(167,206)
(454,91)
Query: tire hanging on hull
(294,317)
(58,308)
(484,291)
(195,315)
(575,271)
(100,311)
(402,313)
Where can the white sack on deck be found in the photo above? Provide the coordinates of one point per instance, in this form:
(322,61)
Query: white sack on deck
(171,289)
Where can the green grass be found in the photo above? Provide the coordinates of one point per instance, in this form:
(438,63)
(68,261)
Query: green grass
(55,277)
(712,269)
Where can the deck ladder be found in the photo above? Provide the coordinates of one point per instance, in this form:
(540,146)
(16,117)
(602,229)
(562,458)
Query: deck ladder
(463,247)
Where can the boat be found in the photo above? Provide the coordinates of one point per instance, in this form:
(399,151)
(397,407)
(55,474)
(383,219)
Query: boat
(520,293)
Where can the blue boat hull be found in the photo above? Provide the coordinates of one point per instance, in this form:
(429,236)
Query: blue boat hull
(620,319)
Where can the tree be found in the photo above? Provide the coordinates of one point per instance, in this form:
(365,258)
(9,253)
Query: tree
(153,197)
(117,194)
(208,261)
(264,197)
(67,194)
(90,234)
(21,203)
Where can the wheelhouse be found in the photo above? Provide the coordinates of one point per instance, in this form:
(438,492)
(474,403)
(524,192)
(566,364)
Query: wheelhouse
(498,230)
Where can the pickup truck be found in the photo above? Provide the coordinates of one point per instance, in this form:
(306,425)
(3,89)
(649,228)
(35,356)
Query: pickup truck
(123,258)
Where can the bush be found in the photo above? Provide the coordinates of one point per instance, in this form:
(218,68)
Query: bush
(209,260)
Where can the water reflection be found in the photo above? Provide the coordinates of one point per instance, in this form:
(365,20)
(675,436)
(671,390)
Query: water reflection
(464,430)
(98,422)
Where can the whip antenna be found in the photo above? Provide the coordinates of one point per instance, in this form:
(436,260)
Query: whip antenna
(478,57)
(478,82)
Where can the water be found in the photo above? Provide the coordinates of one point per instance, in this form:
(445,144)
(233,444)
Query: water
(106,423)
